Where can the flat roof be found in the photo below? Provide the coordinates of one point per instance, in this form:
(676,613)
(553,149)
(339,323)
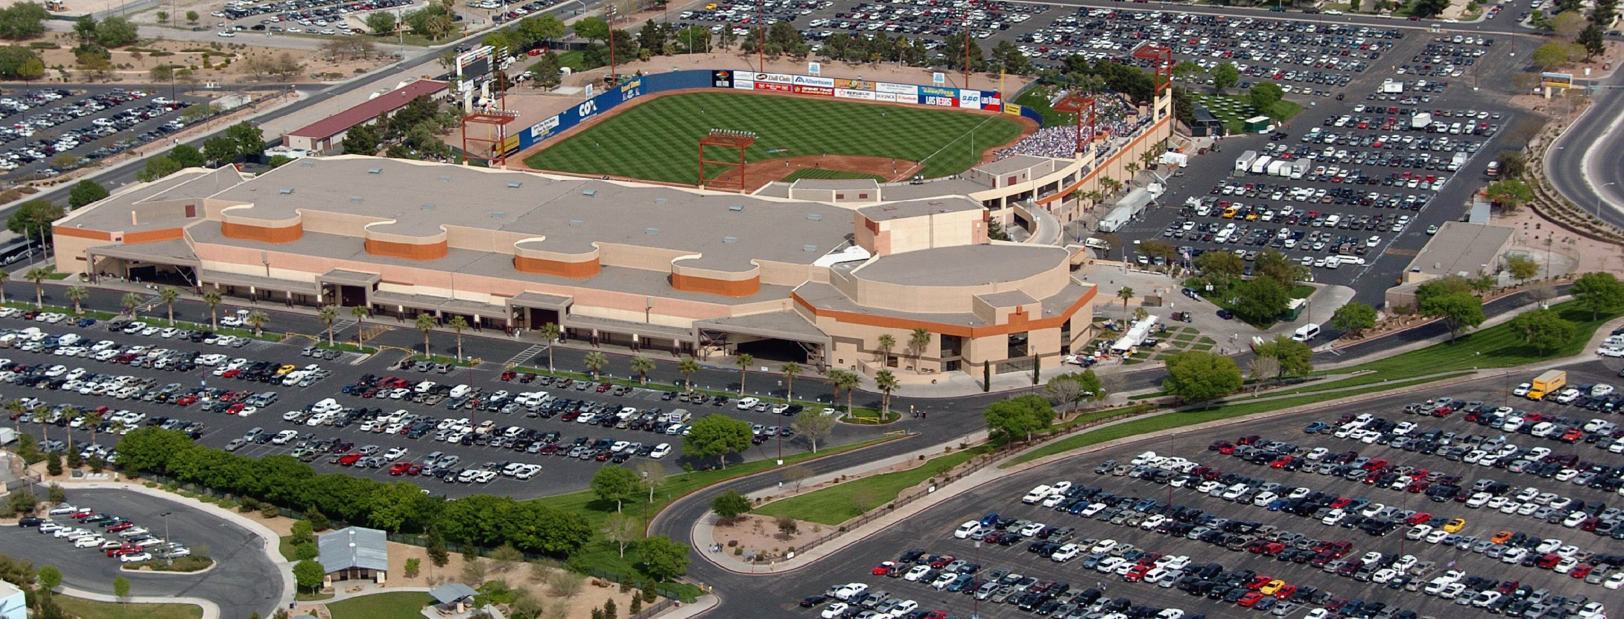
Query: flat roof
(1461,247)
(966,265)
(368,110)
(918,208)
(835,183)
(113,213)
(728,231)
(1015,163)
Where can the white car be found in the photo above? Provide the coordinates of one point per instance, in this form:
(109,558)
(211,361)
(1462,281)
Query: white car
(967,529)
(660,451)
(747,403)
(834,610)
(942,581)
(1066,553)
(135,557)
(89,541)
(916,573)
(1614,582)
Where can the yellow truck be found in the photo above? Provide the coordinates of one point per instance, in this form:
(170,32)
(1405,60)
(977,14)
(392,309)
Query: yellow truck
(1550,382)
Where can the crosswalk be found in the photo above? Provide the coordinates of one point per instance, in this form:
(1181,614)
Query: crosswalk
(524,356)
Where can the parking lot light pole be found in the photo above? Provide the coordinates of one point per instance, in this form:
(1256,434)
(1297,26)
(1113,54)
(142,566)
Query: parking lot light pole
(167,560)
(1599,198)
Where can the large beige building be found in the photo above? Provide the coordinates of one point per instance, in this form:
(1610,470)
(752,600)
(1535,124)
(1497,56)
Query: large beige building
(815,271)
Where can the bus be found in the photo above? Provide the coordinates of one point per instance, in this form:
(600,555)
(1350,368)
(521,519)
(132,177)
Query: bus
(15,248)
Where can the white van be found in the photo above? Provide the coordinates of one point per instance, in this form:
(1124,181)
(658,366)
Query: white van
(1037,494)
(1305,333)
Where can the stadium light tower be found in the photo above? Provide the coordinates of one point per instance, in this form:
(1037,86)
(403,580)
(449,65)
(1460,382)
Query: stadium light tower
(761,41)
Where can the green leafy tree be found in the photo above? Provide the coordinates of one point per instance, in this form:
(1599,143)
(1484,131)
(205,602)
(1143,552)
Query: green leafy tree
(381,22)
(1428,8)
(249,138)
(1509,193)
(1599,292)
(121,588)
(1458,310)
(813,426)
(1197,376)
(33,218)
(622,529)
(1544,329)
(1522,267)
(1354,317)
(309,575)
(23,20)
(302,532)
(1550,55)
(1224,75)
(1593,40)
(85,192)
(1295,358)
(717,436)
(116,32)
(1513,163)
(1221,266)
(1261,300)
(191,17)
(1263,95)
(49,577)
(730,505)
(435,548)
(663,559)
(1019,417)
(158,167)
(18,62)
(614,483)
(362,139)
(592,28)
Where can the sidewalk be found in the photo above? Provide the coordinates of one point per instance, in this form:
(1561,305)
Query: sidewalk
(1502,318)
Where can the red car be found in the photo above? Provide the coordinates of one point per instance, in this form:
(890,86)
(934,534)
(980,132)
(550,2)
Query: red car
(1137,573)
(1341,502)
(1258,582)
(1280,462)
(883,569)
(1418,518)
(1251,597)
(941,562)
(414,470)
(399,468)
(1285,591)
(123,549)
(508,375)
(120,527)
(1582,570)
(349,459)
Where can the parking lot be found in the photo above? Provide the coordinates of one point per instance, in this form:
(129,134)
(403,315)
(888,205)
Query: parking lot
(1156,513)
(38,125)
(455,431)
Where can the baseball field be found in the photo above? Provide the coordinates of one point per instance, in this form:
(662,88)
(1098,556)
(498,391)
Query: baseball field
(657,140)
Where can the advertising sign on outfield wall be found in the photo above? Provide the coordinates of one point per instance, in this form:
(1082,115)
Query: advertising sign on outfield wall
(860,90)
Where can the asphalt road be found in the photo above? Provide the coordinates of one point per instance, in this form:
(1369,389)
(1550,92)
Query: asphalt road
(1583,164)
(931,530)
(241,582)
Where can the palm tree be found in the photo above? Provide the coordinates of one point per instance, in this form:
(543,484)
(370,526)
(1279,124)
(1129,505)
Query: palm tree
(791,369)
(550,332)
(76,294)
(38,275)
(1149,157)
(919,340)
(69,413)
(16,408)
(743,361)
(169,295)
(886,382)
(213,299)
(129,302)
(328,316)
(360,313)
(1125,293)
(4,275)
(257,320)
(426,323)
(594,362)
(458,323)
(848,381)
(688,367)
(94,423)
(39,418)
(887,342)
(642,365)
(1132,168)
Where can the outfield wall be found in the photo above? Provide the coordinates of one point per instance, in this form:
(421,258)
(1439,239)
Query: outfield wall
(862,90)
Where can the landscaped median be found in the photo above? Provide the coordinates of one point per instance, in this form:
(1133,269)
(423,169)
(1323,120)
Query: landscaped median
(89,609)
(842,502)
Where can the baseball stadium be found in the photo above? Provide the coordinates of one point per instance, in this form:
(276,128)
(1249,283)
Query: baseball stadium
(700,212)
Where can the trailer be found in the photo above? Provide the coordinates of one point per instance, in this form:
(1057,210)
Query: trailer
(1243,163)
(1258,124)
(1299,168)
(1421,120)
(1262,164)
(1458,161)
(1392,87)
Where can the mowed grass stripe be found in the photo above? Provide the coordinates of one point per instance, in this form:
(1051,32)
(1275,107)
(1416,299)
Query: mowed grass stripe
(658,140)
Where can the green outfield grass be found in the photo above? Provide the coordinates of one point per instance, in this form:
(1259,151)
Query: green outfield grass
(822,173)
(658,140)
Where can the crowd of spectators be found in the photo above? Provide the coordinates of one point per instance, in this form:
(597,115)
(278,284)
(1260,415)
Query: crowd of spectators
(1114,116)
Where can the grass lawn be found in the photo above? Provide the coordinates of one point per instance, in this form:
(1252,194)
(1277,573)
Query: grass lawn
(1174,420)
(1038,99)
(1231,109)
(1495,347)
(86,609)
(822,173)
(405,605)
(575,60)
(286,548)
(656,140)
(837,504)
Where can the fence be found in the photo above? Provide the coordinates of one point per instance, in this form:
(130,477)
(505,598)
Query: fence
(965,470)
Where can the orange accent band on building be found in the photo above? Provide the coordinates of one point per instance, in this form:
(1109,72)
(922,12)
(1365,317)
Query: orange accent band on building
(82,233)
(889,322)
(721,287)
(286,234)
(575,270)
(151,236)
(409,251)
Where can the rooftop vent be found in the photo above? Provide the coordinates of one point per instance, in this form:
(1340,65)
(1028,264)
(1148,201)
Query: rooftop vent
(357,199)
(498,214)
(809,248)
(427,207)
(814,216)
(576,223)
(735,207)
(515,185)
(589,192)
(651,231)
(730,239)
(660,200)
(374,170)
(309,163)
(445,179)
(287,190)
